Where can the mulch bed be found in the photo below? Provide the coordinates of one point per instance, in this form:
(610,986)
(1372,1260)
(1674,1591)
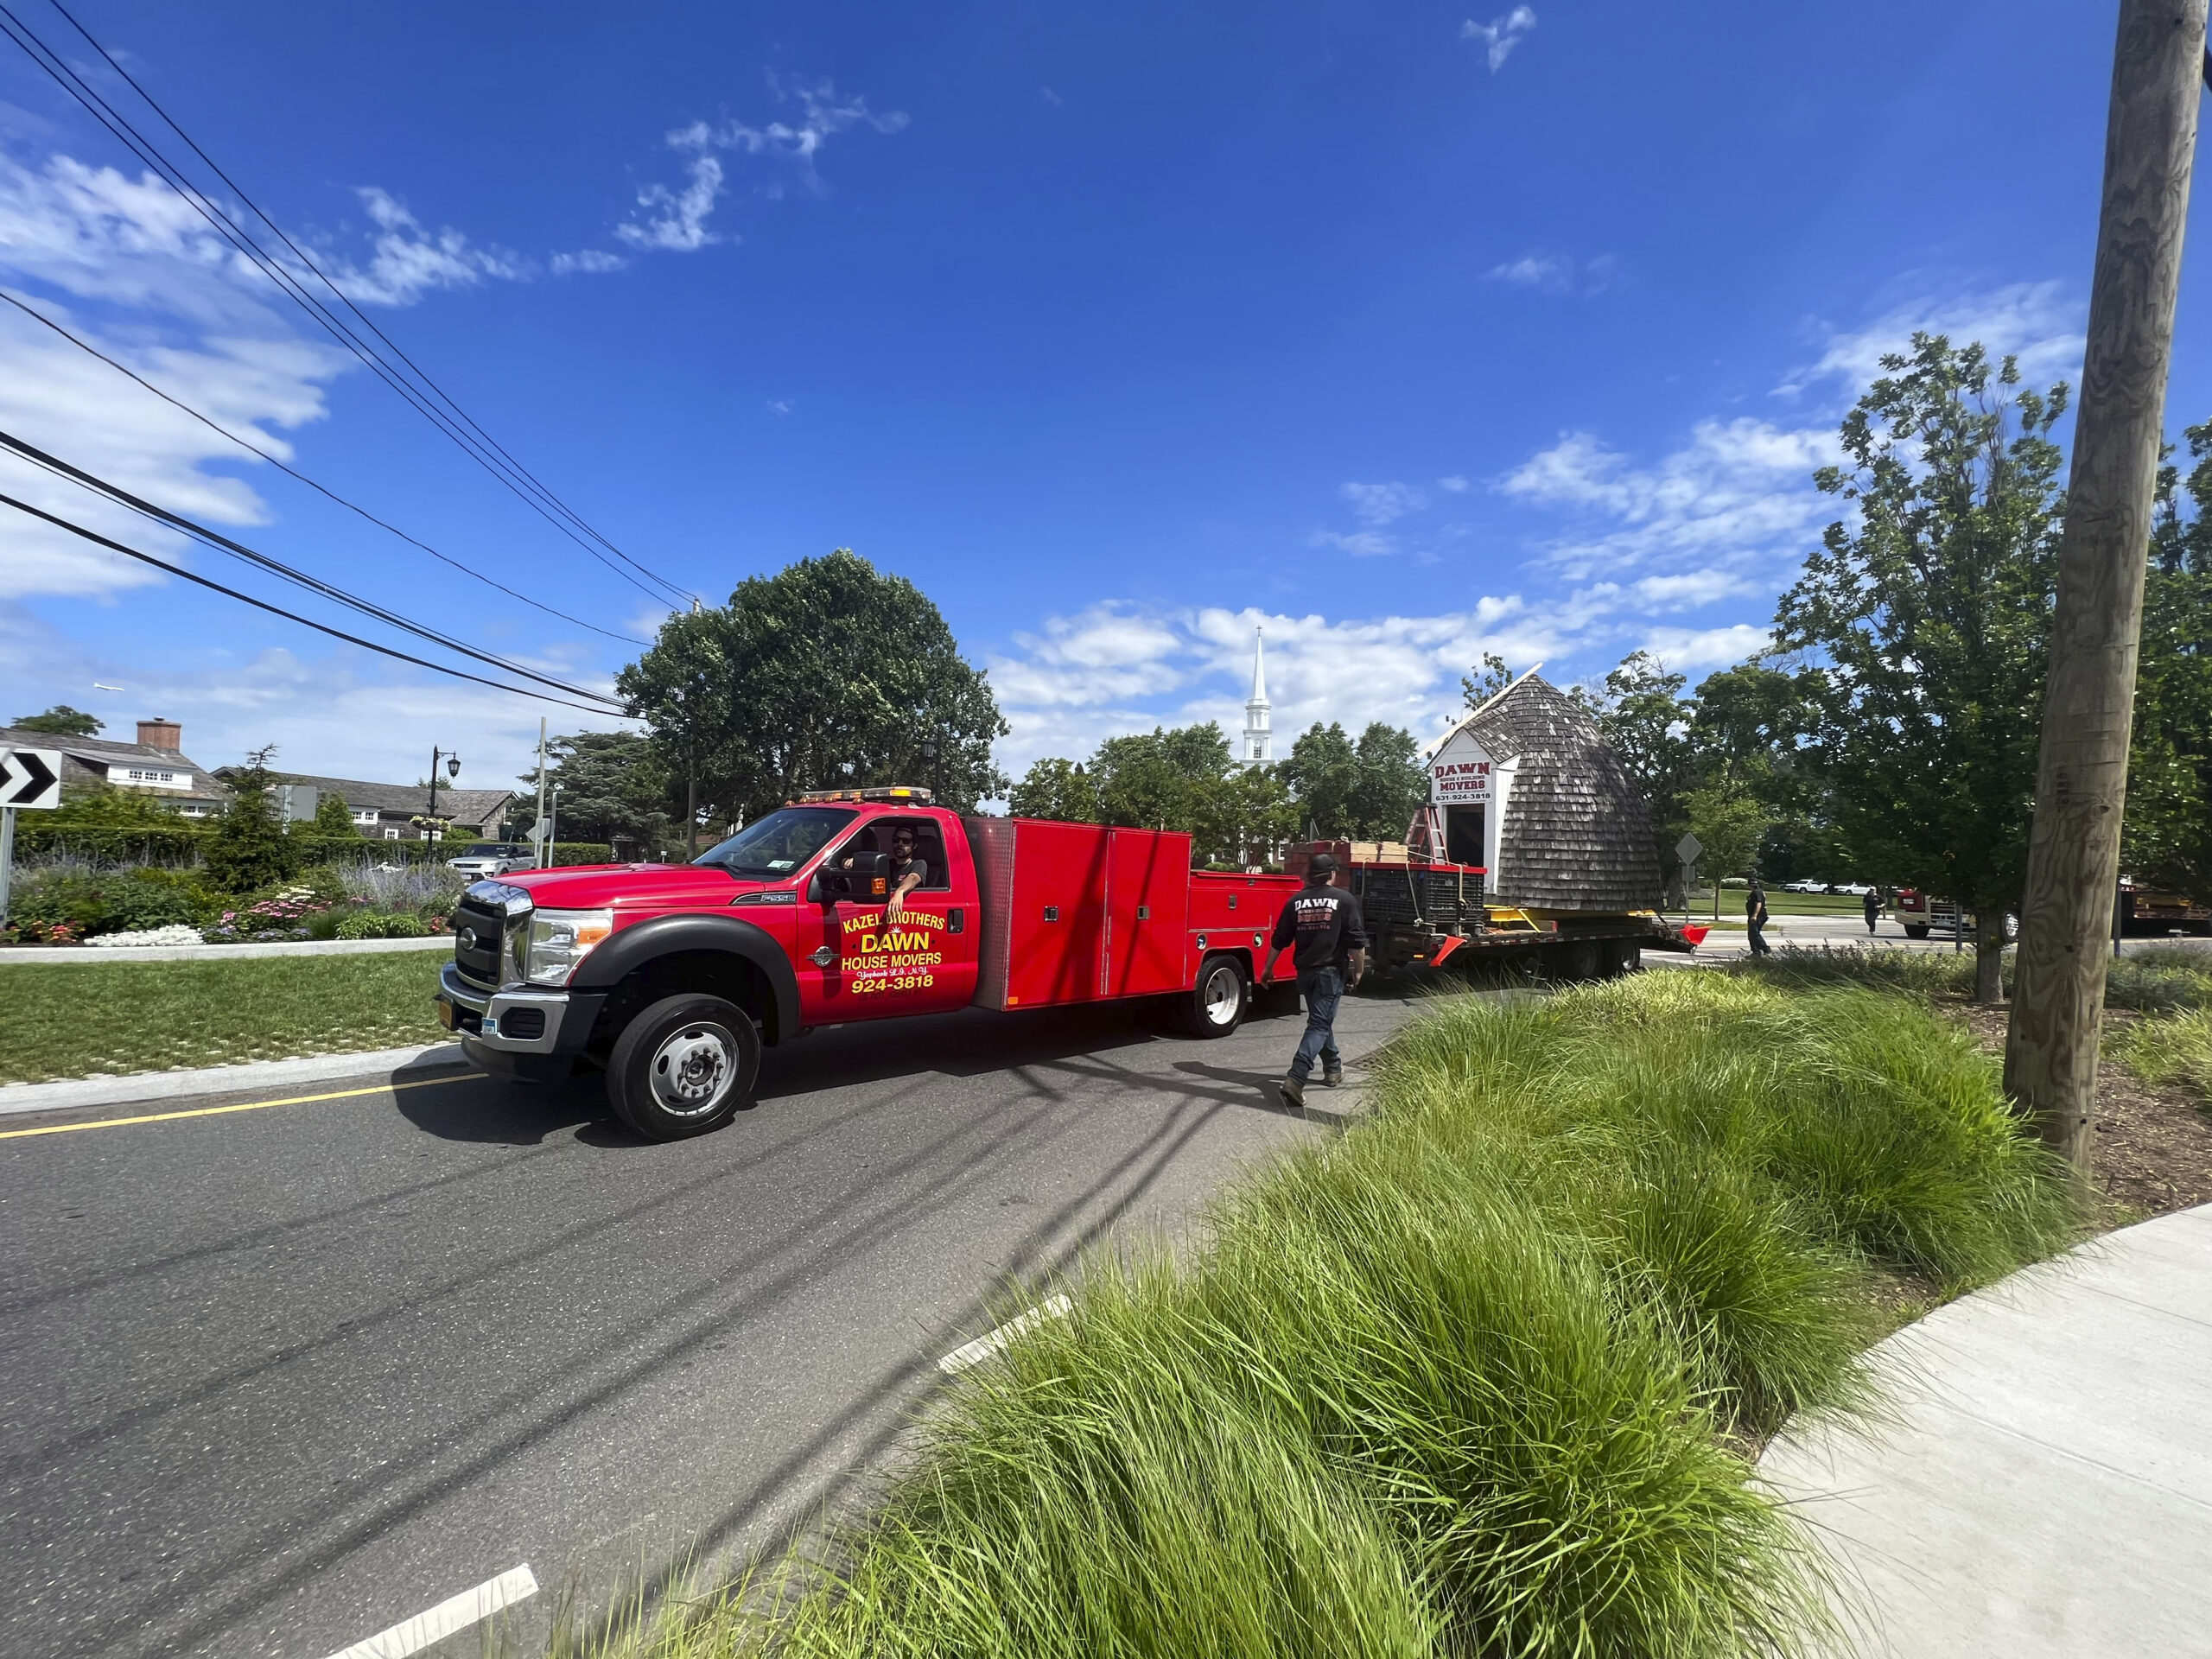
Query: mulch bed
(2152,1152)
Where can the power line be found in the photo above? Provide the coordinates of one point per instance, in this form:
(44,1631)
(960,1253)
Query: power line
(278,610)
(162,515)
(460,426)
(290,472)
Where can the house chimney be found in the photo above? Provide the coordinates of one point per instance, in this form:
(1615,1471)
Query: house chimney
(158,733)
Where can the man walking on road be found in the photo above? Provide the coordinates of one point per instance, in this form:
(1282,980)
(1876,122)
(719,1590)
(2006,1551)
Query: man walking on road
(1754,920)
(1873,908)
(1322,929)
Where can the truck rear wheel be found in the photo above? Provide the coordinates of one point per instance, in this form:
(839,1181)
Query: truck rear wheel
(1215,1006)
(682,1067)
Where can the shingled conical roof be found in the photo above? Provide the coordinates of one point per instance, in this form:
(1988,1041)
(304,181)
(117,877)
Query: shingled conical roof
(1577,834)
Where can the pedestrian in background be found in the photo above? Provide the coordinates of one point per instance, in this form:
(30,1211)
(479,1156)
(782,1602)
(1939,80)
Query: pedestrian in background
(1873,908)
(1754,920)
(1323,929)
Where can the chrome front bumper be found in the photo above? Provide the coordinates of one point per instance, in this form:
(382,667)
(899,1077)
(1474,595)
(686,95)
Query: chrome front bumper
(485,1018)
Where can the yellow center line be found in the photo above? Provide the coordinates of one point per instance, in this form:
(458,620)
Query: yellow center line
(242,1106)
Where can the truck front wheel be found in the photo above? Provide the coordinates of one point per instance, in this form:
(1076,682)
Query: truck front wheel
(682,1067)
(1913,932)
(1215,1006)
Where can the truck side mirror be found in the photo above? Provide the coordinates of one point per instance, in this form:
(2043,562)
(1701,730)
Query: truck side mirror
(867,882)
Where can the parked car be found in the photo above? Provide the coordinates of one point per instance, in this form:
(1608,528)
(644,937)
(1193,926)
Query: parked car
(1807,886)
(1856,889)
(488,858)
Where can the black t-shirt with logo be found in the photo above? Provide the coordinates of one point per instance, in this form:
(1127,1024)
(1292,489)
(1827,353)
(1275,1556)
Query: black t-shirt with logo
(916,866)
(1321,926)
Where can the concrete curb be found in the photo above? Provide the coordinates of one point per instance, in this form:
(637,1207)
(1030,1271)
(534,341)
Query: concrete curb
(138,1086)
(21,954)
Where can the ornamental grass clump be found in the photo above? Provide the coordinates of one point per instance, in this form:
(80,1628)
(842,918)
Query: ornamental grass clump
(1480,1377)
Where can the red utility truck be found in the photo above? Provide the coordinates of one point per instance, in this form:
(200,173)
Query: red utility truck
(673,978)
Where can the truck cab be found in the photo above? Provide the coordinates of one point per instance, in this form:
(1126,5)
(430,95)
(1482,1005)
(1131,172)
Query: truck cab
(673,978)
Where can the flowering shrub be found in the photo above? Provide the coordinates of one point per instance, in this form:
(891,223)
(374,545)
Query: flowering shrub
(22,931)
(282,915)
(176,933)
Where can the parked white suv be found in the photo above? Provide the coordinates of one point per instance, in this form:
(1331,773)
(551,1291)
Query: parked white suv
(494,858)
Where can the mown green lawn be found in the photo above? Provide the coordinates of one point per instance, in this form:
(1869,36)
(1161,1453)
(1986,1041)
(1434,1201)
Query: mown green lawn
(76,1020)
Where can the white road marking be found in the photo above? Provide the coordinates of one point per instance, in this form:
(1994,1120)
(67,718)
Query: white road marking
(975,1353)
(455,1613)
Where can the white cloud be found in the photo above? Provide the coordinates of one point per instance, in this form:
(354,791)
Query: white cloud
(1360,543)
(1687,650)
(1382,504)
(1739,490)
(409,262)
(1557,273)
(591,261)
(675,220)
(1501,35)
(780,405)
(1454,484)
(1114,670)
(2038,322)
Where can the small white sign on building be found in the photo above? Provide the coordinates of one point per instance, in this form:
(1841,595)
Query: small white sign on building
(1460,774)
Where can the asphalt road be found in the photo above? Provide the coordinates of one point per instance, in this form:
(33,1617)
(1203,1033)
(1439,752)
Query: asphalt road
(273,1381)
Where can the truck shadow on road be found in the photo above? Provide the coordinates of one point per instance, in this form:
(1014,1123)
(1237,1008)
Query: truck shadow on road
(971,1044)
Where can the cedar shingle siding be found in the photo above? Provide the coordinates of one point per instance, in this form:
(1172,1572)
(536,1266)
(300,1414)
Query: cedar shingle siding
(1577,834)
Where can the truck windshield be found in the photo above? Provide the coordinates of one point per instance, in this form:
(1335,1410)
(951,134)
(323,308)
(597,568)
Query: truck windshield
(780,843)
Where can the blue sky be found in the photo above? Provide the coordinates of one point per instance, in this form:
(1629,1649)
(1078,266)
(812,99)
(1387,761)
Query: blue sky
(1409,331)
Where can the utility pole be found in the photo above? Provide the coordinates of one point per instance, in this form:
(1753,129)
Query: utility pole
(545,841)
(2050,1050)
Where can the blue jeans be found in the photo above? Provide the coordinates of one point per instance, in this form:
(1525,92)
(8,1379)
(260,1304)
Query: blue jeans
(1323,989)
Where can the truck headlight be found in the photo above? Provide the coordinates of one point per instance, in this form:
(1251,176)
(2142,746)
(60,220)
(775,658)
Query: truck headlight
(559,939)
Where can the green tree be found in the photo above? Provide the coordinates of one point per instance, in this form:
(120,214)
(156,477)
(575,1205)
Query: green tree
(614,785)
(63,721)
(1062,790)
(828,673)
(1480,686)
(1322,773)
(1643,716)
(1730,821)
(2166,838)
(247,848)
(1929,618)
(333,818)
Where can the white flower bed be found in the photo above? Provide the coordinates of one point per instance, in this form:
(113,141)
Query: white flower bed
(174,933)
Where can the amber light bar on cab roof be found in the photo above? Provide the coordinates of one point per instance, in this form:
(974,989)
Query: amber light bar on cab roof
(885,792)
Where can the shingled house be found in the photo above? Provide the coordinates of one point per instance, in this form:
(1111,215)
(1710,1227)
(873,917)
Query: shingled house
(1529,788)
(391,812)
(156,766)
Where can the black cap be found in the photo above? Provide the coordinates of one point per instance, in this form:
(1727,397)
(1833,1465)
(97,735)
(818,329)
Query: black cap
(1320,867)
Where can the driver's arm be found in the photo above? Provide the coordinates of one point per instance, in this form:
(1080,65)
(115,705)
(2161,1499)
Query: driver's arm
(907,883)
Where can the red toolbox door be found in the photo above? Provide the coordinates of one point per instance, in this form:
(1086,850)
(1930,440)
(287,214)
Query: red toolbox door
(1147,905)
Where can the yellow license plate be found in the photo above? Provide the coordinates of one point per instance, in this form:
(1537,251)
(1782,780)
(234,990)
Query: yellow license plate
(445,1014)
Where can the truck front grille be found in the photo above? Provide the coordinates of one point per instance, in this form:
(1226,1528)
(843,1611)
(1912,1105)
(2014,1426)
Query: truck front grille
(480,961)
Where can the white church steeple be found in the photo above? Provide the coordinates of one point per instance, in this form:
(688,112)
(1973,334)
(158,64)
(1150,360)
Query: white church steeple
(1259,740)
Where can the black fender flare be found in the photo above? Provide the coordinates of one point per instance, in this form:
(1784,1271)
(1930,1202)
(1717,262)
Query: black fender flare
(628,949)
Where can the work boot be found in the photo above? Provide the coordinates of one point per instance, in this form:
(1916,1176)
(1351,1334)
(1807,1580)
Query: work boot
(1332,1072)
(1294,1090)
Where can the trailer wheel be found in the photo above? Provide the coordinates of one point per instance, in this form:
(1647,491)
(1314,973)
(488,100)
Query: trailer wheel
(1912,933)
(1215,1006)
(682,1065)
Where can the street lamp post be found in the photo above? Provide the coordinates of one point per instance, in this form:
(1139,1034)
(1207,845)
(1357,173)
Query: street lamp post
(453,769)
(553,827)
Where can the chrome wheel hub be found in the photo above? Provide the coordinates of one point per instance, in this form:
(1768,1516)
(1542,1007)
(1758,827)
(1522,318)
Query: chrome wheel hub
(693,1069)
(1223,994)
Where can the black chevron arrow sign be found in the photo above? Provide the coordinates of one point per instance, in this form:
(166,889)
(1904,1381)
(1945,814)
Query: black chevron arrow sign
(30,778)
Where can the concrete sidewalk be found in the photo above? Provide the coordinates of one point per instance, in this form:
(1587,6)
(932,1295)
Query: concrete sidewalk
(2045,1487)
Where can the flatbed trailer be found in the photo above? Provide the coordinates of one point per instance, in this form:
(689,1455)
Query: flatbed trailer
(1426,912)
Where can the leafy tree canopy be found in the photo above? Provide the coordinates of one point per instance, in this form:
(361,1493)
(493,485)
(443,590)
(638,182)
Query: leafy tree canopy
(828,673)
(613,785)
(2166,838)
(1367,790)
(1929,618)
(62,720)
(1057,789)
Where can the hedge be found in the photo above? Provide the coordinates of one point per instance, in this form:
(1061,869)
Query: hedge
(181,846)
